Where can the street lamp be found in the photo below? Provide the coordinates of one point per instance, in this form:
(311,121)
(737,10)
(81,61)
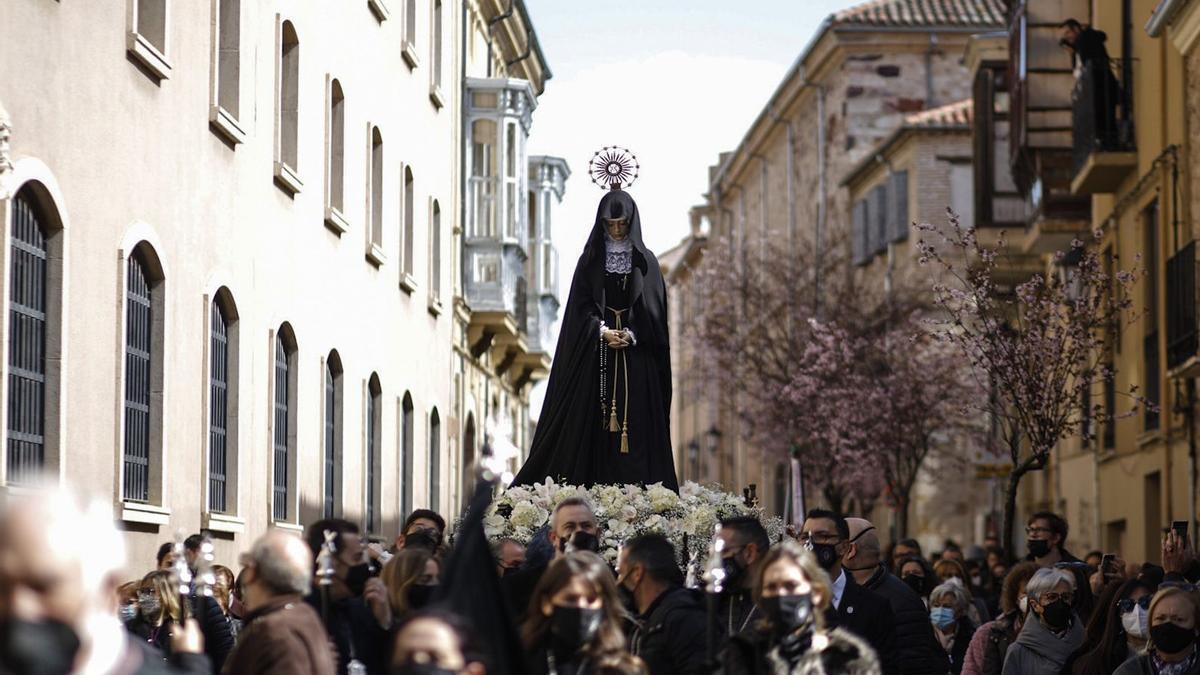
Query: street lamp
(713,436)
(693,449)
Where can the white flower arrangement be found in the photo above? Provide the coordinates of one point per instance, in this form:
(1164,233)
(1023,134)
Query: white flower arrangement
(626,511)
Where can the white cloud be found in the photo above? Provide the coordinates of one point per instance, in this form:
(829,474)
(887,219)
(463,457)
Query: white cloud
(675,110)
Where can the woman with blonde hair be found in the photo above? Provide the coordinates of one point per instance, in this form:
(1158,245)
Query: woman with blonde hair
(573,625)
(159,611)
(1172,645)
(793,593)
(411,577)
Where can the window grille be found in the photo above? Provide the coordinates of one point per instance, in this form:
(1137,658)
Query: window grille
(138,336)
(330,439)
(218,411)
(27,345)
(406,452)
(282,430)
(372,428)
(435,459)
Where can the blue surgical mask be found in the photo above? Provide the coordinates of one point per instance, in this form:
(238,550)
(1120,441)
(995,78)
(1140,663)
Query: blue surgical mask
(942,617)
(127,612)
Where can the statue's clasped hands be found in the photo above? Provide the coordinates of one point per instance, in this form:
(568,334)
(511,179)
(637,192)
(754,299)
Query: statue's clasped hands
(617,339)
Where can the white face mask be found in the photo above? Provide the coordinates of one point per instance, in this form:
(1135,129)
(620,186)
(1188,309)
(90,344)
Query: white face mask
(1023,604)
(1135,622)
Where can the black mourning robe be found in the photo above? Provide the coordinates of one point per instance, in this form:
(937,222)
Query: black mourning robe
(572,442)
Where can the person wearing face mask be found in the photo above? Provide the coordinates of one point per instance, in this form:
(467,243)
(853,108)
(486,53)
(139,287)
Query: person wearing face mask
(989,645)
(1051,633)
(435,643)
(574,621)
(1173,632)
(669,622)
(357,615)
(127,599)
(745,543)
(572,525)
(1119,630)
(411,577)
(509,555)
(426,523)
(159,611)
(948,605)
(1046,540)
(59,564)
(917,650)
(282,635)
(851,606)
(917,574)
(793,637)
(954,571)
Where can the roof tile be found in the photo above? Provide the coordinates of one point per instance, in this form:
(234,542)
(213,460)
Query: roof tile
(898,13)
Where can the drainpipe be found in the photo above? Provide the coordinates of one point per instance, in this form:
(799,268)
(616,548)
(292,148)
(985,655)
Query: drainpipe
(822,205)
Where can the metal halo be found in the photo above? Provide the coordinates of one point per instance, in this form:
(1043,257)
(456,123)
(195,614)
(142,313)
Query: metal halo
(613,168)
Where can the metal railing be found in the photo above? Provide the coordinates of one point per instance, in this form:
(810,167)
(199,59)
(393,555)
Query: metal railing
(1101,119)
(1182,340)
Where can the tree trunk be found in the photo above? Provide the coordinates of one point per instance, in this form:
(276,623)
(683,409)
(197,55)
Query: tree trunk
(1010,511)
(902,516)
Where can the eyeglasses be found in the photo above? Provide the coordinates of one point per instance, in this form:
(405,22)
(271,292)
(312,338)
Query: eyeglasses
(1071,566)
(1126,605)
(818,538)
(1051,597)
(1038,530)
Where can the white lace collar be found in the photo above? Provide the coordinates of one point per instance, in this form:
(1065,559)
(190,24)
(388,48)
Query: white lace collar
(618,255)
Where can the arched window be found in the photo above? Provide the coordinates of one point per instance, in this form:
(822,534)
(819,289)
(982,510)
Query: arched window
(468,460)
(332,446)
(142,442)
(222,404)
(27,312)
(373,459)
(288,117)
(435,459)
(284,426)
(375,190)
(335,159)
(435,42)
(410,33)
(409,208)
(406,455)
(435,252)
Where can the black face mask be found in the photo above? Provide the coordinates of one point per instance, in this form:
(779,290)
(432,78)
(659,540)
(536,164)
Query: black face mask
(411,668)
(572,628)
(1056,615)
(1038,548)
(37,647)
(510,570)
(1171,638)
(356,578)
(788,612)
(735,572)
(826,554)
(915,582)
(419,595)
(581,541)
(421,539)
(627,598)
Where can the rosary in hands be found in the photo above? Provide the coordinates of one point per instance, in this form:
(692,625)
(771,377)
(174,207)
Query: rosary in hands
(617,339)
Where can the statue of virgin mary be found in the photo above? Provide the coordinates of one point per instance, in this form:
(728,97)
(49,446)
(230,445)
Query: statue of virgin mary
(606,415)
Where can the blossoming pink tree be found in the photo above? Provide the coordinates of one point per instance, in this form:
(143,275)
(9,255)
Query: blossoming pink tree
(1037,348)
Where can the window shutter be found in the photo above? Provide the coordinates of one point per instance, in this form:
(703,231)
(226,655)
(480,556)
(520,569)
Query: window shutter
(860,232)
(898,207)
(879,216)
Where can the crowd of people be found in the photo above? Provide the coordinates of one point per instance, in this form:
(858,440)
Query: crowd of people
(829,598)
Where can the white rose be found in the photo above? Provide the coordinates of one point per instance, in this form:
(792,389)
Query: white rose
(528,515)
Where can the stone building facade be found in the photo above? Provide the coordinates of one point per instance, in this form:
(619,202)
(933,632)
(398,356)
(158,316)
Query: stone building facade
(865,71)
(234,260)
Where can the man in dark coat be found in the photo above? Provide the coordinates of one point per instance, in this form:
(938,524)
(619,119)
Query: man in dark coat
(283,634)
(917,649)
(1087,46)
(669,630)
(745,545)
(572,518)
(1047,539)
(853,608)
(356,612)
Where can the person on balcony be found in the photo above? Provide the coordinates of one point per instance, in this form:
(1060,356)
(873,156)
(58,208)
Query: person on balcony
(606,416)
(1092,61)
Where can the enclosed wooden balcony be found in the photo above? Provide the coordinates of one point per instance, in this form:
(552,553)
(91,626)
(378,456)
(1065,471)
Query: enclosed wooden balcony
(1103,149)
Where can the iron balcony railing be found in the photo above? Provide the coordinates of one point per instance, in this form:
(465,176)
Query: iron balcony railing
(1101,111)
(1181,306)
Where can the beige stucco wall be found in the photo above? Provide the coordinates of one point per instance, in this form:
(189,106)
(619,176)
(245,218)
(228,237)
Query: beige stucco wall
(135,159)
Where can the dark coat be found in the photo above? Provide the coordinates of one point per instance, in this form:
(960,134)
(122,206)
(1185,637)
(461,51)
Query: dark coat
(1143,665)
(963,633)
(218,638)
(518,588)
(283,637)
(736,613)
(753,653)
(670,636)
(159,640)
(355,634)
(143,659)
(917,650)
(869,616)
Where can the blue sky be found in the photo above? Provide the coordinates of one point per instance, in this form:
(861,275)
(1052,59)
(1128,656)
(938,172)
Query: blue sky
(676,81)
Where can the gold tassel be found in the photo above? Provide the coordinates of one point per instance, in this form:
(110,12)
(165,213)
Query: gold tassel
(625,440)
(612,417)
